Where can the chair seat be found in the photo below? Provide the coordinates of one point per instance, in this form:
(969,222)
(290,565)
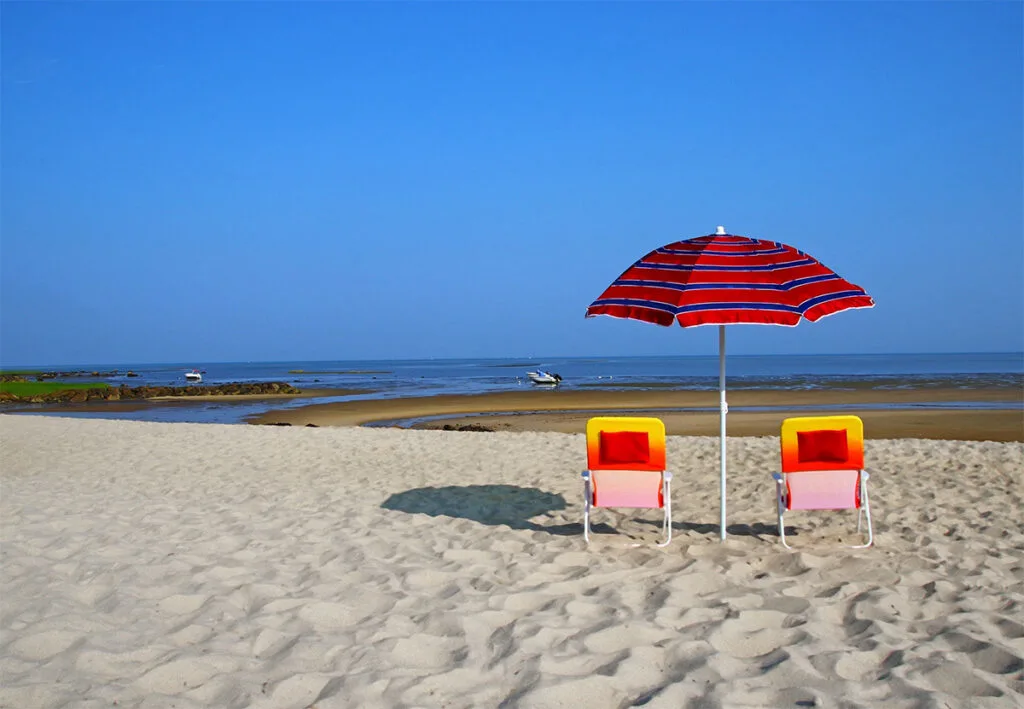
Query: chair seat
(822,490)
(628,488)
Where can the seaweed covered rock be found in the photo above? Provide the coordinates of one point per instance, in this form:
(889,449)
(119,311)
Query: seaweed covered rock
(232,389)
(128,393)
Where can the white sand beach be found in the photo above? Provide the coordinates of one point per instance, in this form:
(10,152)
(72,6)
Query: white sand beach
(198,565)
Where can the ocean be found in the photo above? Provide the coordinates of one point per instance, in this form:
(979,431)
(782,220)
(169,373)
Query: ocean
(428,377)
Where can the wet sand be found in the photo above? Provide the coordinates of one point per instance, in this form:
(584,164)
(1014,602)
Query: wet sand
(567,410)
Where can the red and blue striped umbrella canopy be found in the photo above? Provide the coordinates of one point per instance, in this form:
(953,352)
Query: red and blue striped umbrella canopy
(723,279)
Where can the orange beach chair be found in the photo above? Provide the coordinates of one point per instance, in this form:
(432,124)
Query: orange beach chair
(626,468)
(823,469)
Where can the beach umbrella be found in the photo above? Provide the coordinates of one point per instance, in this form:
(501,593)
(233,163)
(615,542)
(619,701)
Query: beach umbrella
(723,279)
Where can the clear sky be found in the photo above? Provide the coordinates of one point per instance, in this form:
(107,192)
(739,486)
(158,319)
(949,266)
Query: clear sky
(224,181)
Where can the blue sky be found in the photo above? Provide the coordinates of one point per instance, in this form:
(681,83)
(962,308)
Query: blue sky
(207,182)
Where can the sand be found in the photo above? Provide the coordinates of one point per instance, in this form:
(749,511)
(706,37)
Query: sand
(566,411)
(199,565)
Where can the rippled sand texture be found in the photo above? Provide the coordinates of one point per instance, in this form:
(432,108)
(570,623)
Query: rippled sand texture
(185,565)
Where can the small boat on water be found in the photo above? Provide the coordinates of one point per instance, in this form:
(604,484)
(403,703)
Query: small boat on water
(194,376)
(542,377)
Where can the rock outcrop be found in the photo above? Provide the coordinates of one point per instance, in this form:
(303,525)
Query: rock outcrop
(124,392)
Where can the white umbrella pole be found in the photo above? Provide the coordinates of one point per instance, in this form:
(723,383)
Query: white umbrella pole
(725,410)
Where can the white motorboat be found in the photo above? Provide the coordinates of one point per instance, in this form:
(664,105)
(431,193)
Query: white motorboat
(542,377)
(194,376)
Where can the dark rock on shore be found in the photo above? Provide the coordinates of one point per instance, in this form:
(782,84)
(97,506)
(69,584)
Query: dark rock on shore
(234,389)
(46,376)
(468,427)
(127,393)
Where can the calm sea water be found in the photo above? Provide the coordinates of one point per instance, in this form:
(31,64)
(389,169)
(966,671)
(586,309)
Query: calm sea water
(396,378)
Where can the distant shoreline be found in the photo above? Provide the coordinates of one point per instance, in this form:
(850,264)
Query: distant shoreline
(944,406)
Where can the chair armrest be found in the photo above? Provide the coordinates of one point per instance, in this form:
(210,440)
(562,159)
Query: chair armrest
(667,475)
(781,496)
(585,475)
(864,475)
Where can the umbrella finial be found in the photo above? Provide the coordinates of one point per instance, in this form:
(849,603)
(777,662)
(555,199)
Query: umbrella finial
(720,231)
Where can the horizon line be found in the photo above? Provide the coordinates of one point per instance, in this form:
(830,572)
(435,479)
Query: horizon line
(5,367)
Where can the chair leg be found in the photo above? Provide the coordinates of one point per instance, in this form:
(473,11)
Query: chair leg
(782,532)
(866,509)
(586,510)
(780,494)
(666,527)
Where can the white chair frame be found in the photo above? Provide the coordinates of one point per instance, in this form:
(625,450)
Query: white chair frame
(666,487)
(863,511)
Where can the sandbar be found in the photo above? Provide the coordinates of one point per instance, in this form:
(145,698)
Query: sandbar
(934,413)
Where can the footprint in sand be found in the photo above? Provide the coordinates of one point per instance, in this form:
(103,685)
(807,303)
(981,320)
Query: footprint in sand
(186,673)
(546,640)
(958,681)
(589,692)
(270,643)
(325,615)
(624,637)
(884,605)
(44,645)
(855,666)
(190,635)
(466,557)
(99,595)
(786,604)
(752,634)
(281,605)
(457,682)
(37,695)
(428,651)
(180,604)
(983,655)
(303,690)
(696,620)
(524,602)
(698,584)
(423,579)
(580,610)
(118,664)
(867,571)
(1011,630)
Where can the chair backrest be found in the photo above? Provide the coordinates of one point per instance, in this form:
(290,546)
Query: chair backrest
(626,460)
(822,457)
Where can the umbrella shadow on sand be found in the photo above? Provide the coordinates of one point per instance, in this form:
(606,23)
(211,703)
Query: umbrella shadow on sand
(507,505)
(757,530)
(515,507)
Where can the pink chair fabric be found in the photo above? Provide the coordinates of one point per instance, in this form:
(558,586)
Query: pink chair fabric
(627,488)
(824,490)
